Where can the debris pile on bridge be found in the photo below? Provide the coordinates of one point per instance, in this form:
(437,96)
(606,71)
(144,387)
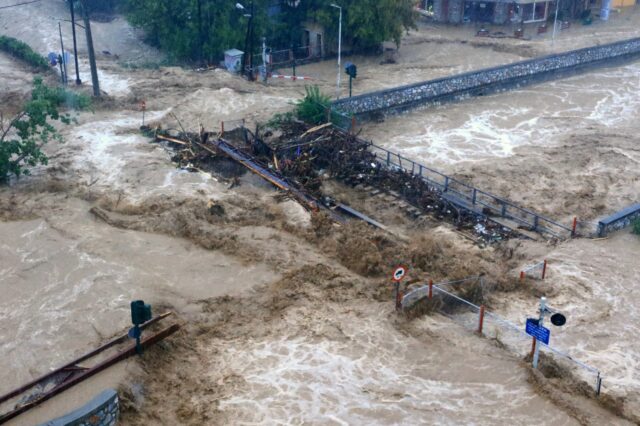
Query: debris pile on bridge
(301,158)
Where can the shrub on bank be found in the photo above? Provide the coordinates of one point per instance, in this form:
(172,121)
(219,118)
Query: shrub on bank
(24,134)
(635,226)
(23,51)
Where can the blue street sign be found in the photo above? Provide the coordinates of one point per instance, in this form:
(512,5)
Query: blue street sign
(540,333)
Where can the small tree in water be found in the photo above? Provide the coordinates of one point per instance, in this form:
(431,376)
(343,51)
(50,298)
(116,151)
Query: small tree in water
(23,135)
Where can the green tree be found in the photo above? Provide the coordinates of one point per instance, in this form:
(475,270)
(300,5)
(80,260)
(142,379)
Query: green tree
(99,6)
(366,23)
(201,30)
(23,135)
(196,29)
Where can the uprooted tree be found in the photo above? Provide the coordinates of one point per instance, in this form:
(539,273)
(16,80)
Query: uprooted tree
(23,135)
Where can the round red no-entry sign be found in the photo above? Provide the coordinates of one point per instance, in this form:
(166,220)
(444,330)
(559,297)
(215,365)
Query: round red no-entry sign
(399,273)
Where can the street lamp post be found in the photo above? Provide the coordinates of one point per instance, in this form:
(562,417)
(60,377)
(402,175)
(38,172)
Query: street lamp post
(248,42)
(555,22)
(339,49)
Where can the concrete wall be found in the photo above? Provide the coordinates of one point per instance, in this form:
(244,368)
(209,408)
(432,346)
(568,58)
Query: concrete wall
(618,221)
(488,80)
(439,10)
(456,11)
(501,13)
(101,411)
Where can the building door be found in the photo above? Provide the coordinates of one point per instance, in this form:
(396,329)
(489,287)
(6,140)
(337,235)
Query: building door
(318,45)
(306,39)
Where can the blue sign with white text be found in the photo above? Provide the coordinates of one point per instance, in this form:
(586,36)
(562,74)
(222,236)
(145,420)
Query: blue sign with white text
(540,333)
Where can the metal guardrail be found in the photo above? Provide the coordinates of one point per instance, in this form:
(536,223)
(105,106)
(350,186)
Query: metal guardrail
(459,193)
(512,336)
(470,198)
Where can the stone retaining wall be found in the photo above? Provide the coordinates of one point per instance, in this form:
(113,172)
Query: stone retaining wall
(488,80)
(100,411)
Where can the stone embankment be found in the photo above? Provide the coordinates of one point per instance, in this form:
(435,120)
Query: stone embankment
(489,80)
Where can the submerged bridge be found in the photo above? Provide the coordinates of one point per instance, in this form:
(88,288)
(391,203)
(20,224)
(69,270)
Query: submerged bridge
(489,80)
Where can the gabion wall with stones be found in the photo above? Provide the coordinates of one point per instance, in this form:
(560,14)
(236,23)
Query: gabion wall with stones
(488,80)
(103,410)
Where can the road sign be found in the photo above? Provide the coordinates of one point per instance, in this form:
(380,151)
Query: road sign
(399,273)
(539,332)
(558,319)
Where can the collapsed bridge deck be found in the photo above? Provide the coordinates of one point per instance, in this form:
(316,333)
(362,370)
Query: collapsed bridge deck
(300,158)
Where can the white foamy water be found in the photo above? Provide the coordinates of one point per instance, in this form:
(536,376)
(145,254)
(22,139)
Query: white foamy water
(114,156)
(376,375)
(112,84)
(492,127)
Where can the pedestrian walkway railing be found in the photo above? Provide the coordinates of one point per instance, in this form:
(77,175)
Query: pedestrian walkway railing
(471,198)
(459,193)
(506,334)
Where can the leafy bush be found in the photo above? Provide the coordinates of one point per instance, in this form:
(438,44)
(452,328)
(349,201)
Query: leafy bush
(635,226)
(279,119)
(23,51)
(22,136)
(313,107)
(62,97)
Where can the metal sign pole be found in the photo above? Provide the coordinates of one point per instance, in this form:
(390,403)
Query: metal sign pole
(543,306)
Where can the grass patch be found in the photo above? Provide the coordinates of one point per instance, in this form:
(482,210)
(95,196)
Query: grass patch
(24,52)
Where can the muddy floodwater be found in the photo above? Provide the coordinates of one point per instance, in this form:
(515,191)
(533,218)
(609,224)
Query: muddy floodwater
(493,127)
(279,327)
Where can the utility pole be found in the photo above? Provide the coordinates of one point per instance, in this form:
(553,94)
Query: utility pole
(92,54)
(339,49)
(64,60)
(248,41)
(251,44)
(75,46)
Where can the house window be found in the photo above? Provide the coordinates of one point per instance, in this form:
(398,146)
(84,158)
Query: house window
(535,12)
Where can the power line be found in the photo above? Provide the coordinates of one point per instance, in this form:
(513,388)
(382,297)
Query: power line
(20,4)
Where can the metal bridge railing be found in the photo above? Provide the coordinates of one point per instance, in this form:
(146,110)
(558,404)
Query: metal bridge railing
(471,198)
